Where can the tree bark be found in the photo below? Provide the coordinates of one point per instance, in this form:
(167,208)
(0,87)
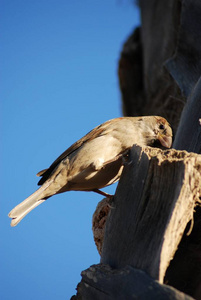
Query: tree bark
(101,282)
(154,201)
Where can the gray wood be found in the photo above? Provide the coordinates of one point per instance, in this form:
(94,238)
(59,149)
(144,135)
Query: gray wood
(101,282)
(185,65)
(153,203)
(188,135)
(146,86)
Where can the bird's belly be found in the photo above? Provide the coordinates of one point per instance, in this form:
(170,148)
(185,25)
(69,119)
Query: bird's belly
(86,180)
(95,165)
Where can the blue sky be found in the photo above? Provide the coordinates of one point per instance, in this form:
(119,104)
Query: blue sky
(58,81)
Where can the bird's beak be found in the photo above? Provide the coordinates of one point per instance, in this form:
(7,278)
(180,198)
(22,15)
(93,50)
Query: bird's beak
(166,141)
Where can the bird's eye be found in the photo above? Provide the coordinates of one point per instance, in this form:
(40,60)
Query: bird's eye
(161,126)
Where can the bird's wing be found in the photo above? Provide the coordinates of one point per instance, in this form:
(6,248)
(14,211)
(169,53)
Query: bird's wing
(97,131)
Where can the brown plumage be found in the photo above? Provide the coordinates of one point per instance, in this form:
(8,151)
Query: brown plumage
(95,160)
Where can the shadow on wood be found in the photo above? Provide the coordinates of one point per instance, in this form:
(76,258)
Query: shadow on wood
(101,282)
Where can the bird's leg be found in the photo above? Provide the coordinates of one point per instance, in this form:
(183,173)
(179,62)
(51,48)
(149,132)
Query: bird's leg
(109,197)
(102,193)
(124,158)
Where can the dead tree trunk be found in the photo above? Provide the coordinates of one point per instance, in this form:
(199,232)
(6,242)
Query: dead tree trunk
(154,201)
(143,238)
(159,190)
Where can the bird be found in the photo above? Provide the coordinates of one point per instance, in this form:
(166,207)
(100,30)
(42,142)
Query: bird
(96,160)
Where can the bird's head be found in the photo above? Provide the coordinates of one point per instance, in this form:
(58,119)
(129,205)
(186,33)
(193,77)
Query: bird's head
(158,132)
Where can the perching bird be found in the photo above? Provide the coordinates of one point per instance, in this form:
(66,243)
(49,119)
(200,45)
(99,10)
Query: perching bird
(95,160)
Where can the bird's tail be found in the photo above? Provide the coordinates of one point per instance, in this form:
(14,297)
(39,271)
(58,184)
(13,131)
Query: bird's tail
(22,209)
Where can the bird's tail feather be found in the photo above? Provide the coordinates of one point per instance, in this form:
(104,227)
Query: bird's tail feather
(22,209)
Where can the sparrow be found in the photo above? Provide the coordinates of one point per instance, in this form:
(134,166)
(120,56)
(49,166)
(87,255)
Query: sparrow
(96,160)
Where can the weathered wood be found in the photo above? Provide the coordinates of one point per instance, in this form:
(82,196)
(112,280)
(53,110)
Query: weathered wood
(144,225)
(184,271)
(98,223)
(185,65)
(101,282)
(146,86)
(188,135)
(154,201)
